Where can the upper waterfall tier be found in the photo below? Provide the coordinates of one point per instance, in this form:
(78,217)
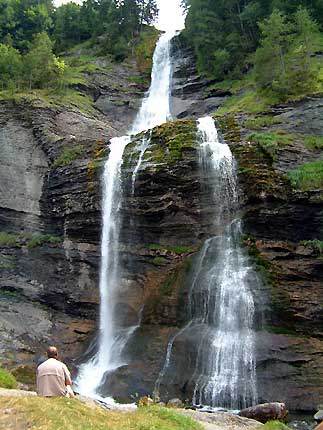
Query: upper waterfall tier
(155,108)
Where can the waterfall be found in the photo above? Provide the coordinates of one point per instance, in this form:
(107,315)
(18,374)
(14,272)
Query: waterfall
(113,337)
(221,305)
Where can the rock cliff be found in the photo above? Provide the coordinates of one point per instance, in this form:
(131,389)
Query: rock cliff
(50,222)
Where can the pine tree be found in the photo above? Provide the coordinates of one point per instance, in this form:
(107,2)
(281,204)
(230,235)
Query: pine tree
(42,69)
(10,67)
(270,69)
(303,71)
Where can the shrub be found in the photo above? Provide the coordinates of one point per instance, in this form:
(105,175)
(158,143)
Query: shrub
(316,245)
(41,239)
(7,239)
(270,142)
(308,176)
(7,380)
(68,155)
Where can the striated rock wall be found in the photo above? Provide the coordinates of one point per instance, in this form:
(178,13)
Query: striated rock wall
(51,157)
(50,208)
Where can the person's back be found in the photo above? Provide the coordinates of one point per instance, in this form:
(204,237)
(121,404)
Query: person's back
(52,378)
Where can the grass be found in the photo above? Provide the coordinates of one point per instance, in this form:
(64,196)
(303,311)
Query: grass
(316,245)
(53,98)
(275,425)
(31,240)
(7,380)
(307,177)
(270,142)
(257,123)
(313,142)
(66,414)
(159,261)
(176,249)
(7,239)
(68,155)
(250,101)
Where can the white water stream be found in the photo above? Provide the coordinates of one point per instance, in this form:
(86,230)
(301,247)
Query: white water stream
(221,306)
(113,338)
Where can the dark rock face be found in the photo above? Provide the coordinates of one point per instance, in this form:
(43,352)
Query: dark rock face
(265,412)
(277,219)
(49,289)
(192,95)
(49,292)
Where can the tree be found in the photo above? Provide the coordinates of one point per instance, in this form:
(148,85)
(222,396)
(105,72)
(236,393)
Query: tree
(67,26)
(42,68)
(270,59)
(303,71)
(10,67)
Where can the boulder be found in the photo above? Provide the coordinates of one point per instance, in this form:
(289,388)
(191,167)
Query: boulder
(145,401)
(175,403)
(319,427)
(319,415)
(265,412)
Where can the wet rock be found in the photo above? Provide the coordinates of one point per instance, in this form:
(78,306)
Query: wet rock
(175,403)
(265,412)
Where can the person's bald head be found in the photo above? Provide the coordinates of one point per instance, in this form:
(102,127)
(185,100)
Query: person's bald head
(52,352)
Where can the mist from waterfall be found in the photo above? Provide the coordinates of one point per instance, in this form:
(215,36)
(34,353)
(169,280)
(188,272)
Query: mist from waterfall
(113,336)
(220,304)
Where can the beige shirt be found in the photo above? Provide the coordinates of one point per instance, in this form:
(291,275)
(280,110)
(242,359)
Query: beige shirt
(52,378)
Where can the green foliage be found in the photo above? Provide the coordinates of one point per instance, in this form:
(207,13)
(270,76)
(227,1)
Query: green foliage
(176,249)
(21,20)
(40,239)
(7,239)
(284,63)
(262,265)
(166,287)
(280,38)
(257,123)
(31,240)
(270,142)
(313,142)
(68,155)
(7,380)
(25,375)
(10,67)
(37,68)
(275,425)
(316,245)
(250,101)
(144,49)
(41,67)
(308,176)
(159,261)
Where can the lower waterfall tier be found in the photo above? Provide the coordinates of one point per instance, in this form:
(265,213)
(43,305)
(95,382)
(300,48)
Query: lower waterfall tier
(54,284)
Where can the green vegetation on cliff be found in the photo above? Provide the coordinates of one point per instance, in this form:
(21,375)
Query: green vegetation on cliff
(265,52)
(7,380)
(31,240)
(308,176)
(63,414)
(169,141)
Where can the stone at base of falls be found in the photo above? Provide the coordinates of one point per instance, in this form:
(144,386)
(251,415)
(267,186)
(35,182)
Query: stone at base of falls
(6,392)
(319,414)
(265,412)
(175,403)
(145,401)
(220,420)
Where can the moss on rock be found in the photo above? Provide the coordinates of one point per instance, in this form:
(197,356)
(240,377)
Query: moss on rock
(170,140)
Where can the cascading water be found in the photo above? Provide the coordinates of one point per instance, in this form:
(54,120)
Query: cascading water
(221,306)
(113,337)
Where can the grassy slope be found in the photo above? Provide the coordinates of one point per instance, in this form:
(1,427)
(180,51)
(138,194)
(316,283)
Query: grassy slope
(66,414)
